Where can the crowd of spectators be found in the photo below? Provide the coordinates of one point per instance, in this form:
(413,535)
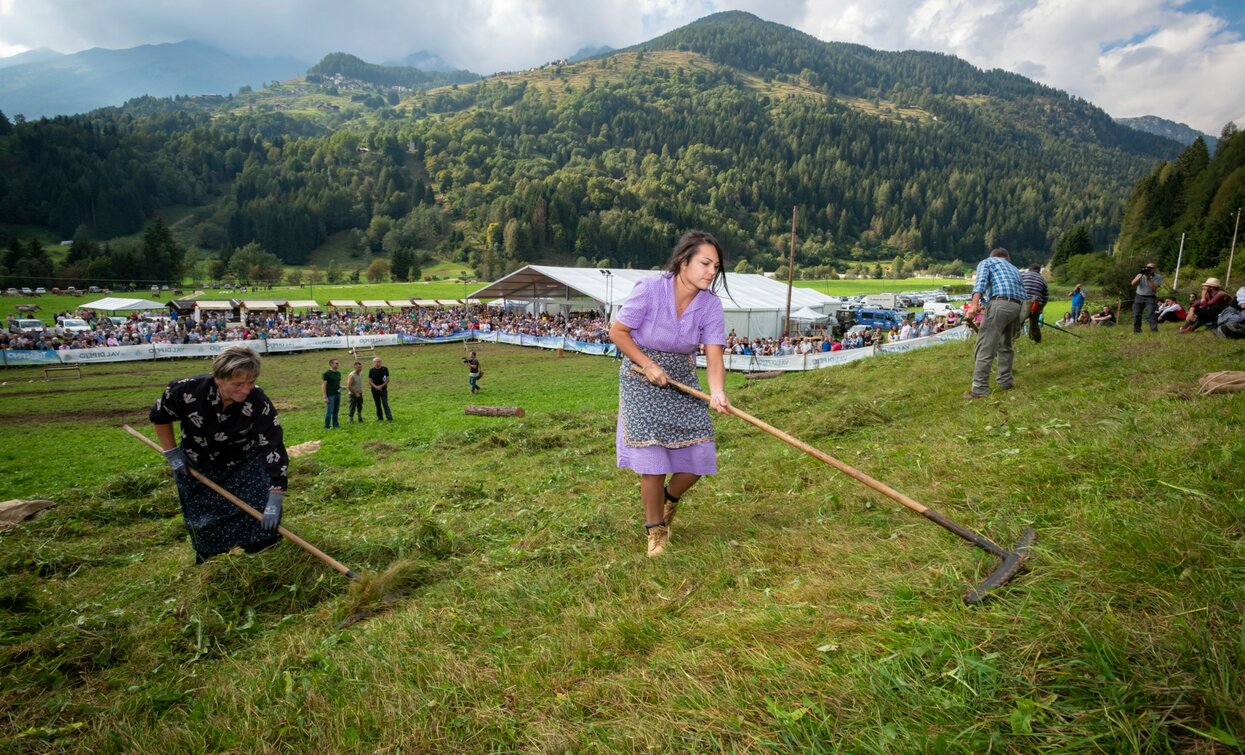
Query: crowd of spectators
(854,338)
(422,322)
(137,330)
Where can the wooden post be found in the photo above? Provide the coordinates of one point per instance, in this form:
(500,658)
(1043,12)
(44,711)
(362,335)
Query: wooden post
(494,411)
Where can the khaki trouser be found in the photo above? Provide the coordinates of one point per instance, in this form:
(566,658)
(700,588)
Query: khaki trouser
(994,338)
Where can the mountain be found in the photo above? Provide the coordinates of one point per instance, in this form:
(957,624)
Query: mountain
(589,52)
(423,60)
(97,77)
(1179,132)
(725,124)
(40,55)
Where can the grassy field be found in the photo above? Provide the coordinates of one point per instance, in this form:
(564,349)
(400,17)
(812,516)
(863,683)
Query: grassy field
(795,612)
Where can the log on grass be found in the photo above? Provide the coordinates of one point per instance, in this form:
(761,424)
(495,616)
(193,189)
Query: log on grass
(762,375)
(494,411)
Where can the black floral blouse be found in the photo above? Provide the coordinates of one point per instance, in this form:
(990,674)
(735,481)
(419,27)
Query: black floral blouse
(216,436)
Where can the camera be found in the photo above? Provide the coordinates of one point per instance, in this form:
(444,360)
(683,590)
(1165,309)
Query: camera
(1145,270)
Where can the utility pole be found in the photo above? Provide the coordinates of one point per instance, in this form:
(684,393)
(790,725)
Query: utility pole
(786,324)
(1179,256)
(1227,279)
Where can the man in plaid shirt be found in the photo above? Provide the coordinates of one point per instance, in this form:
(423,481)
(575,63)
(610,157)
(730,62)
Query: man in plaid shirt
(999,285)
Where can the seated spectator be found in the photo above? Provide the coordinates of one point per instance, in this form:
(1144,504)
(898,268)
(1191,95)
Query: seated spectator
(1105,317)
(1067,320)
(1083,318)
(1171,311)
(1231,322)
(1205,311)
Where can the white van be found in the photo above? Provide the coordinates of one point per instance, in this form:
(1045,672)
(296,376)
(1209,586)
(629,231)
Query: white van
(938,308)
(28,326)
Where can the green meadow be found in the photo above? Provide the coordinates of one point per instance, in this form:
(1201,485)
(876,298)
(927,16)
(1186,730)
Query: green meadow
(796,610)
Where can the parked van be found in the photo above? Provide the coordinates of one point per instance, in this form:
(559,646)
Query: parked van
(878,318)
(938,309)
(882,301)
(28,327)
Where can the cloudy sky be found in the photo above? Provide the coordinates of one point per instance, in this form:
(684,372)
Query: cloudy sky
(1179,59)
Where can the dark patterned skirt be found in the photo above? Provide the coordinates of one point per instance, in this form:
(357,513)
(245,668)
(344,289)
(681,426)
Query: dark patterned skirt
(218,526)
(663,430)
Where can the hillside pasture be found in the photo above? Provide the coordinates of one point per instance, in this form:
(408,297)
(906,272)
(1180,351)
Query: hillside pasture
(796,610)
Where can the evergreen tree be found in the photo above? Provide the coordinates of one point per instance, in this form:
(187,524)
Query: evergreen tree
(1074,241)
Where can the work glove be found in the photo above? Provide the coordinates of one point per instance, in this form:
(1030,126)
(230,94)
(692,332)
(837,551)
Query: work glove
(272,512)
(178,463)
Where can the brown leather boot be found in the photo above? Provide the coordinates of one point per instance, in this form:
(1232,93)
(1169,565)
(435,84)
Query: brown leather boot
(672,505)
(658,537)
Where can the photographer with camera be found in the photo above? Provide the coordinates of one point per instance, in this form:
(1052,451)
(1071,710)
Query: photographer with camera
(1145,302)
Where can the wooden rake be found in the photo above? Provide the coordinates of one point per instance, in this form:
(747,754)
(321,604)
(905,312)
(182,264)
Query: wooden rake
(1013,560)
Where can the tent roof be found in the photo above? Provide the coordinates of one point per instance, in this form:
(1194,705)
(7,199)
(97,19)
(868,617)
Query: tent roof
(343,303)
(399,302)
(260,304)
(117,304)
(374,303)
(747,293)
(808,315)
(215,304)
(302,304)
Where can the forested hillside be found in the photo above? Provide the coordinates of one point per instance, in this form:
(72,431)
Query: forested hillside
(1196,195)
(725,124)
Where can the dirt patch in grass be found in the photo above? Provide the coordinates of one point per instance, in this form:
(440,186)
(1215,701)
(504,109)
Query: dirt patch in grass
(52,389)
(134,414)
(381,449)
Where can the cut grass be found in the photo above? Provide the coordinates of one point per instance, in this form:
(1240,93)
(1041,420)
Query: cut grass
(796,611)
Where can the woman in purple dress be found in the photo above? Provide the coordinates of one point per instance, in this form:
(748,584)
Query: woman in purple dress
(663,431)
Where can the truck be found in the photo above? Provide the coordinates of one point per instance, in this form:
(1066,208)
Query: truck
(882,301)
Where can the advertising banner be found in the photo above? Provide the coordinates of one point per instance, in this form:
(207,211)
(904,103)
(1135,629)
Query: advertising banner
(180,350)
(106,354)
(279,345)
(24,357)
(364,342)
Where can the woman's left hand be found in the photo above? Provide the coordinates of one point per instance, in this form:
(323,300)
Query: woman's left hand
(719,402)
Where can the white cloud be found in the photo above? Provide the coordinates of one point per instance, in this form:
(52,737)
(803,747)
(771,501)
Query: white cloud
(1131,57)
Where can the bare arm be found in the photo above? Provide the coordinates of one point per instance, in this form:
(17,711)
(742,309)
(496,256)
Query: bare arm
(164,433)
(716,368)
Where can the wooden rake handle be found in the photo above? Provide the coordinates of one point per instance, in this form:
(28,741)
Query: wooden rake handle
(236,501)
(975,538)
(846,469)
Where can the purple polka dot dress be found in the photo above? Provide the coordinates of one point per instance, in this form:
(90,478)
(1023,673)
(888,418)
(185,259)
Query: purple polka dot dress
(662,430)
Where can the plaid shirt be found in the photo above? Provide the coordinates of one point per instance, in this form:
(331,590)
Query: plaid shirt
(998,277)
(1035,286)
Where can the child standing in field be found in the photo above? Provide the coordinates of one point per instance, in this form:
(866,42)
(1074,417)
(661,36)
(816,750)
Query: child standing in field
(662,431)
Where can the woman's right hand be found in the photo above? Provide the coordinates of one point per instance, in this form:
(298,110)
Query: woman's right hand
(656,375)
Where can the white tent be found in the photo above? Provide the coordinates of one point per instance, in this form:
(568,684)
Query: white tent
(804,314)
(115,304)
(755,306)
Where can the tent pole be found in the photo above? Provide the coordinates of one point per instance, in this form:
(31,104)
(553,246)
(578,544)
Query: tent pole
(786,324)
